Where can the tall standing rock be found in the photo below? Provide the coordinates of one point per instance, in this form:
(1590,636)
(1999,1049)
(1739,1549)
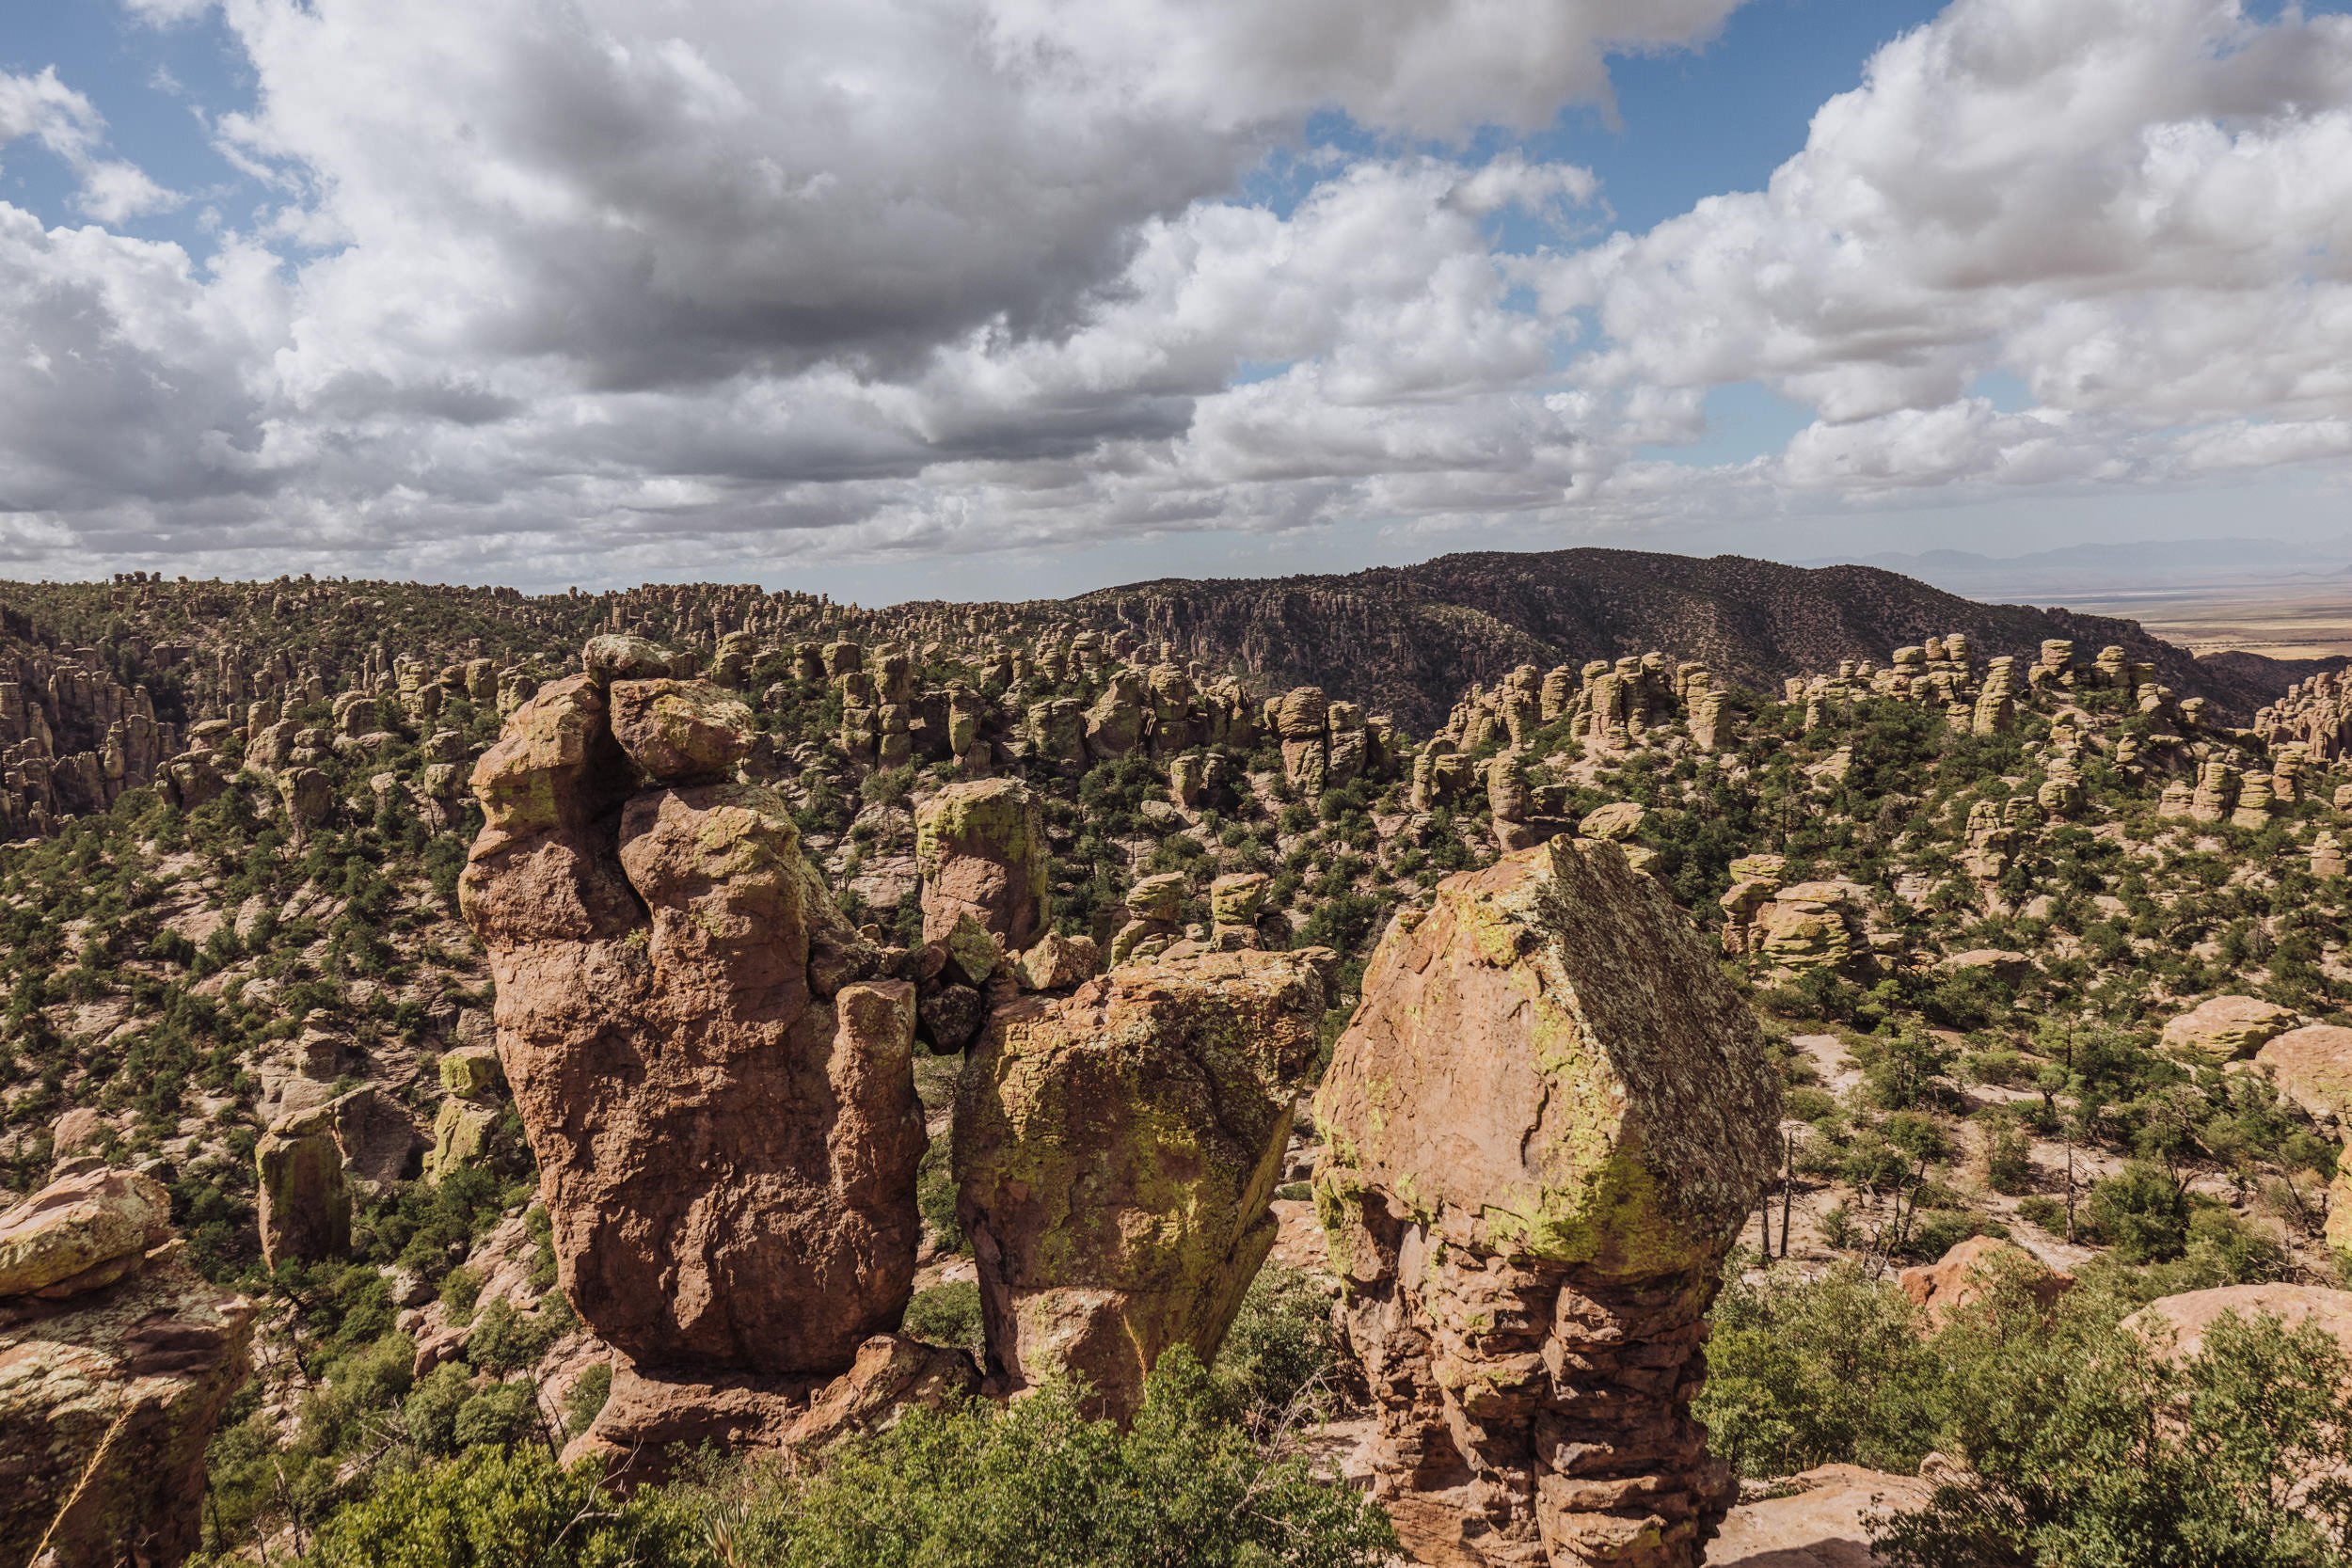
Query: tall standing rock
(981,848)
(721,1099)
(1546,1121)
(1116,1151)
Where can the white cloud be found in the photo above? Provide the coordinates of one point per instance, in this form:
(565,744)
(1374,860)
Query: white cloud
(601,287)
(66,124)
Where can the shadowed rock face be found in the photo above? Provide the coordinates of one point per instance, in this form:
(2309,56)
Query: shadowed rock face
(115,1363)
(1546,1121)
(1115,1152)
(721,1099)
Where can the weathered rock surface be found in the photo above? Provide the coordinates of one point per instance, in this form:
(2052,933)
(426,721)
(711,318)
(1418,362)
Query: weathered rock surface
(981,847)
(305,1203)
(719,1097)
(1973,1268)
(2188,1317)
(1115,1152)
(106,1403)
(892,1374)
(1824,1523)
(2313,1068)
(82,1232)
(2223,1028)
(1546,1123)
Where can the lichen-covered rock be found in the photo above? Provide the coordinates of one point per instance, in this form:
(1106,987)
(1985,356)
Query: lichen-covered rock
(1055,962)
(470,1072)
(680,730)
(107,1404)
(1115,1154)
(2223,1028)
(624,659)
(1811,925)
(720,1098)
(305,1203)
(461,1134)
(81,1233)
(980,845)
(1546,1121)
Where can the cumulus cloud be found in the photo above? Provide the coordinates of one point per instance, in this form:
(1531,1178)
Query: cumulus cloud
(600,286)
(65,123)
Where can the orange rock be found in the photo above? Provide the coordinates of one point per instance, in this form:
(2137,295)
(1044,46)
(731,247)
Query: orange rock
(1969,1271)
(2191,1314)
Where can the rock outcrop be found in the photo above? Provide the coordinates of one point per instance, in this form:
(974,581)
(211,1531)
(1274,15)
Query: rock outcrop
(1970,1269)
(2223,1028)
(1116,1150)
(1546,1123)
(115,1363)
(2313,1068)
(719,1092)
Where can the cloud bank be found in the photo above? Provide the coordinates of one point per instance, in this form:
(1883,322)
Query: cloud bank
(577,288)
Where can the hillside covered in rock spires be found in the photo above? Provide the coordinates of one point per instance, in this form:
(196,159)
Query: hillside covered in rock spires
(779,1080)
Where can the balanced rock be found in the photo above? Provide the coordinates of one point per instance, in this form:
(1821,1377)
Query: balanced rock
(107,1402)
(1546,1121)
(2224,1028)
(980,845)
(719,1097)
(1115,1152)
(305,1203)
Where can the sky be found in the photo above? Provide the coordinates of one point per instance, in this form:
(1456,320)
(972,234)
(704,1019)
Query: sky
(1013,298)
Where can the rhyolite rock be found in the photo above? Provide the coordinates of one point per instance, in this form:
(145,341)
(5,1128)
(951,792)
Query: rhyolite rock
(108,1400)
(2224,1028)
(304,1202)
(1974,1268)
(715,1079)
(980,845)
(2313,1068)
(81,1233)
(1546,1121)
(1116,1151)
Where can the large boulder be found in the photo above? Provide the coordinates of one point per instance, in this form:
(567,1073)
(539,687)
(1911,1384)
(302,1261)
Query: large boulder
(2224,1028)
(1546,1121)
(2313,1068)
(981,848)
(1971,1270)
(1116,1150)
(107,1401)
(2177,1325)
(82,1232)
(715,1081)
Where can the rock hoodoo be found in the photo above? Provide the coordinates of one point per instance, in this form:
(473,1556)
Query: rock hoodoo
(1546,1121)
(1116,1151)
(719,1092)
(115,1363)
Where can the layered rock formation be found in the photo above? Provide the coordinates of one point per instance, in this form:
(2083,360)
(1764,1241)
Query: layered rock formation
(115,1363)
(1546,1121)
(1116,1151)
(720,1095)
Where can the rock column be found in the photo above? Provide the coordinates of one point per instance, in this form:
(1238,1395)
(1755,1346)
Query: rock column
(1546,1122)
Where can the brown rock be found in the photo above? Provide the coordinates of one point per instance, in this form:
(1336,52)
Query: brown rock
(2313,1068)
(1971,1270)
(107,1404)
(1546,1123)
(82,1232)
(680,730)
(981,847)
(892,1375)
(305,1203)
(650,1412)
(723,1109)
(1115,1153)
(2177,1325)
(1825,1524)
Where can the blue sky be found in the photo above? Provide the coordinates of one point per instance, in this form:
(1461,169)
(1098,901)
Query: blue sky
(595,290)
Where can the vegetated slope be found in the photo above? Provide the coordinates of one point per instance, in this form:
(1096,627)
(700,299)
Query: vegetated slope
(1409,638)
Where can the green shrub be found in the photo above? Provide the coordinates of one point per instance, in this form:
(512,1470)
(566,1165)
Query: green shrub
(946,1314)
(585,1401)
(517,1508)
(499,1416)
(2142,1213)
(1035,1483)
(1281,1343)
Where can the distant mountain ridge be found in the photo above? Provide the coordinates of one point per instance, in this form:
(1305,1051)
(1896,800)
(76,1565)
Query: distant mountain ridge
(1408,638)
